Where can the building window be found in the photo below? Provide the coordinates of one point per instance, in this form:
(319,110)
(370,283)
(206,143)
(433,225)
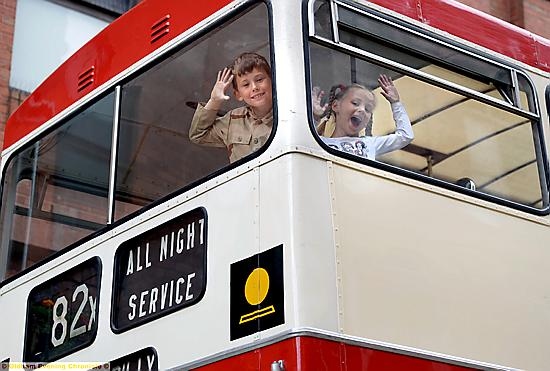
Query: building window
(45,35)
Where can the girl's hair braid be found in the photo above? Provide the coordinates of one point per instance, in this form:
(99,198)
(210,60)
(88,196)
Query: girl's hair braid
(336,93)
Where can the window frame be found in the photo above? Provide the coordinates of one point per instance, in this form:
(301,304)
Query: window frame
(334,43)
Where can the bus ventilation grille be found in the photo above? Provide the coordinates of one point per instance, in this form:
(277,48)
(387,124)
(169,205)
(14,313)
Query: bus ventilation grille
(160,28)
(86,78)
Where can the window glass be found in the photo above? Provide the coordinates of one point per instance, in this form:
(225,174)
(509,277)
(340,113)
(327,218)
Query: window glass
(355,26)
(457,139)
(115,6)
(496,88)
(55,192)
(322,19)
(156,156)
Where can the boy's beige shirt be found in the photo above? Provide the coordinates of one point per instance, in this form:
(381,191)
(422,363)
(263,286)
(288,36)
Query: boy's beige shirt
(238,130)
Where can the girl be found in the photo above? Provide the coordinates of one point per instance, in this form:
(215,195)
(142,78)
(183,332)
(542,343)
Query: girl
(350,114)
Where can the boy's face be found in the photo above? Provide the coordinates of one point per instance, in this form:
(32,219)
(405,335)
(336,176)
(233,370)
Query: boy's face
(254,88)
(353,111)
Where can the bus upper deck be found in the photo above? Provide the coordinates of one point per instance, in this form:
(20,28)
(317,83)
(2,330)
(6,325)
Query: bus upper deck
(123,241)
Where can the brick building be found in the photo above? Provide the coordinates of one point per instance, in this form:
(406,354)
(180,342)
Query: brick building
(528,14)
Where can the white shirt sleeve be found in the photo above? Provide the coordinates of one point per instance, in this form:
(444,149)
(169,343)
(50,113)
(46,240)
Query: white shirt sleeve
(402,136)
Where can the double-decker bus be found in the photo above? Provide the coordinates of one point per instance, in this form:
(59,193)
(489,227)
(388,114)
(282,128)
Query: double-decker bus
(124,243)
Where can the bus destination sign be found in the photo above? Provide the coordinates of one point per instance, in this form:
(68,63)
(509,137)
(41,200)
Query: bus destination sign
(62,313)
(160,271)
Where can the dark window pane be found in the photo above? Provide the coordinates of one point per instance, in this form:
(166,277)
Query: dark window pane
(55,192)
(115,6)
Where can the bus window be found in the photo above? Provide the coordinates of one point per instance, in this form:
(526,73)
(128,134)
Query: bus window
(55,191)
(526,98)
(470,121)
(323,23)
(155,155)
(437,59)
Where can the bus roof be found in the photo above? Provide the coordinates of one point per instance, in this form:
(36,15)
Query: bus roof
(154,22)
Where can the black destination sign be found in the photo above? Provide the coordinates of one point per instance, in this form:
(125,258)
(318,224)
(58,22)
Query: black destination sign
(160,271)
(62,313)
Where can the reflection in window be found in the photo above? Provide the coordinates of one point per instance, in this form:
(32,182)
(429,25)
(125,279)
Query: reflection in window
(455,137)
(323,23)
(155,155)
(55,192)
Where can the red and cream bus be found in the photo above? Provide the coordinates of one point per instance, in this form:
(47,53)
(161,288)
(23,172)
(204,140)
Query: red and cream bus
(123,242)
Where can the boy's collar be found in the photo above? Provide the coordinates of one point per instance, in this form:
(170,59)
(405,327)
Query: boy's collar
(251,113)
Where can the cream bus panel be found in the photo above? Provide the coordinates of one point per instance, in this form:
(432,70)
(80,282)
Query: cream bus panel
(406,278)
(233,235)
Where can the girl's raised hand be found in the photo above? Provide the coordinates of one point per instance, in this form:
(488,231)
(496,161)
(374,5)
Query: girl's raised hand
(316,97)
(389,91)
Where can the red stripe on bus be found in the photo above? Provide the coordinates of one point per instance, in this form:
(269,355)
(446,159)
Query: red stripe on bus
(313,354)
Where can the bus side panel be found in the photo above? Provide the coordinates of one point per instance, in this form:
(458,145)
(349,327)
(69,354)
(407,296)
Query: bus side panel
(203,329)
(436,273)
(190,333)
(300,181)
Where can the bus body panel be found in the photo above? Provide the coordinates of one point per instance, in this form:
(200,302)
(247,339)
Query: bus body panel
(410,270)
(230,238)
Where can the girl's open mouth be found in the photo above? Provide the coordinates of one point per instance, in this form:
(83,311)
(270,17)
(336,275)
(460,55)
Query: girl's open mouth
(356,121)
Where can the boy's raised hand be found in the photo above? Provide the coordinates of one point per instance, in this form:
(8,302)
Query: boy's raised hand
(389,91)
(222,83)
(218,94)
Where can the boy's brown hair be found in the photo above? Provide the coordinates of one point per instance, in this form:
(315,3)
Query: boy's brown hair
(246,62)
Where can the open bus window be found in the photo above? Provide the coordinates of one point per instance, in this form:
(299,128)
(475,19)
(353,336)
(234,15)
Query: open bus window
(323,23)
(155,155)
(457,136)
(55,191)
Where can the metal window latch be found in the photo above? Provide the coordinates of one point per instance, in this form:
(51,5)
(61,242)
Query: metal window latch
(278,366)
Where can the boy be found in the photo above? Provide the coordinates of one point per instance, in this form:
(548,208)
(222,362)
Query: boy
(245,129)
